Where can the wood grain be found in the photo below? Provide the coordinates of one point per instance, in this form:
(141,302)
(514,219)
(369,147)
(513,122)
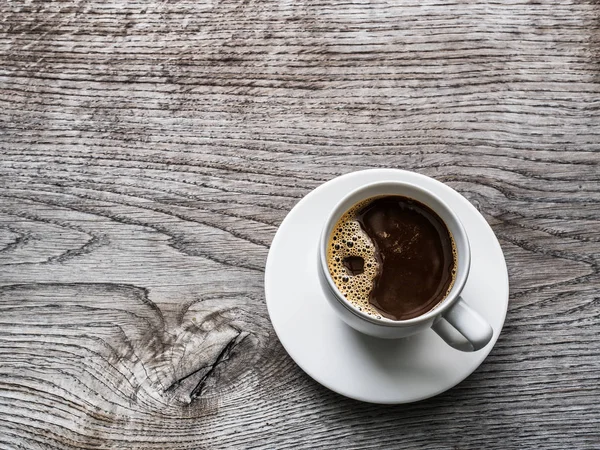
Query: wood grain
(149,150)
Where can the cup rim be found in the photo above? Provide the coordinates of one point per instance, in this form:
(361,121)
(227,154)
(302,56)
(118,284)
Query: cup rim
(437,310)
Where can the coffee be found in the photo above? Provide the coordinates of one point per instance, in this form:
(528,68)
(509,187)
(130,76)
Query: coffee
(392,256)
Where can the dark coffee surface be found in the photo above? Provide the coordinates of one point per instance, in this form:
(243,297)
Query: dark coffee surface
(415,253)
(354,264)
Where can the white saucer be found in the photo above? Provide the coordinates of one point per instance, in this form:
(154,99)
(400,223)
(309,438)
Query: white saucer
(350,363)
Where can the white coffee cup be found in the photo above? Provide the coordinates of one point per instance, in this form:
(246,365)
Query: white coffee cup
(452,319)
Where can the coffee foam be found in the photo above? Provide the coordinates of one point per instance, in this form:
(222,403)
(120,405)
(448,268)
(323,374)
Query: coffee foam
(349,239)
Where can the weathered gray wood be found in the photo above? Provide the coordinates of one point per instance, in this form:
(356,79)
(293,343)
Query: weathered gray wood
(150,149)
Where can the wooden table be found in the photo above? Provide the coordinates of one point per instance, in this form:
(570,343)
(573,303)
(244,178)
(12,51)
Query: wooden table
(150,149)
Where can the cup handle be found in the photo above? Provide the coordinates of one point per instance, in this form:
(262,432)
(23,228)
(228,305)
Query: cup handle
(462,328)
